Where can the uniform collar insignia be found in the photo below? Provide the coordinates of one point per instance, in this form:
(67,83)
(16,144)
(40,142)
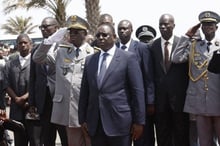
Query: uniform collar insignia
(217,43)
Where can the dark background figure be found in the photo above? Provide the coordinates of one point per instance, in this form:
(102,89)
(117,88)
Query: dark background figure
(171,81)
(104,18)
(17,85)
(44,132)
(145,33)
(112,110)
(142,53)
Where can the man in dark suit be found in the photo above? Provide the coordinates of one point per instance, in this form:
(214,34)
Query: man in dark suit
(142,53)
(171,80)
(17,83)
(111,109)
(43,131)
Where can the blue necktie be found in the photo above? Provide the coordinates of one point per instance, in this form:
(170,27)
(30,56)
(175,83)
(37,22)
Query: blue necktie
(103,69)
(123,47)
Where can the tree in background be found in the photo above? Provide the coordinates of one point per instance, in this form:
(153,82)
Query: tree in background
(19,25)
(57,8)
(92,14)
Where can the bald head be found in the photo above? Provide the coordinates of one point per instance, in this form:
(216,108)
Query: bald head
(125,30)
(106,18)
(166,26)
(48,26)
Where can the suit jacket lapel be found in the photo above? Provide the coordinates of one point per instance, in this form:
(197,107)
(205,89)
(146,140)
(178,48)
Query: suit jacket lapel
(160,54)
(174,45)
(132,47)
(27,63)
(94,68)
(113,64)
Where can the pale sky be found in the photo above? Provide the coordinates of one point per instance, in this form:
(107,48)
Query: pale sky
(139,12)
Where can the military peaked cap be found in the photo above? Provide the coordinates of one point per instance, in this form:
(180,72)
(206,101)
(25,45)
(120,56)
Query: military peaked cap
(77,22)
(209,16)
(145,30)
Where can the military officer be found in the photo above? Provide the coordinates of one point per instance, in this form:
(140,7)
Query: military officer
(67,58)
(203,90)
(145,33)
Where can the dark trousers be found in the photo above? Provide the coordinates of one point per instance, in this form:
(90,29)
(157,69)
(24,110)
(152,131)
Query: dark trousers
(147,139)
(49,129)
(101,139)
(172,128)
(34,132)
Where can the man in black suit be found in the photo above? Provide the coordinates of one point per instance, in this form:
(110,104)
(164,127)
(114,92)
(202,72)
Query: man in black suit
(111,105)
(171,81)
(43,131)
(142,53)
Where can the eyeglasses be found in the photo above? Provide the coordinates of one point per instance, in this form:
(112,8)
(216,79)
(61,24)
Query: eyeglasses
(45,26)
(98,35)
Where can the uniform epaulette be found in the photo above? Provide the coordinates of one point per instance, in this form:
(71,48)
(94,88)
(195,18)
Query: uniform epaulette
(89,50)
(96,49)
(64,46)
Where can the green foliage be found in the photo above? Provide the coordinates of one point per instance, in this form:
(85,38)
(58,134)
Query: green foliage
(19,25)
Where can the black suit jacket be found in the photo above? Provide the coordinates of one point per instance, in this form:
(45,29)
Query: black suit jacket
(38,84)
(2,89)
(214,64)
(143,54)
(170,86)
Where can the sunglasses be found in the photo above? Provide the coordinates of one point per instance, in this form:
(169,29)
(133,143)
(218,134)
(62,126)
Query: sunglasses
(45,26)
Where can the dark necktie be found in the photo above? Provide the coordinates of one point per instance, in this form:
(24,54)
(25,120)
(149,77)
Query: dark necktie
(103,68)
(77,52)
(123,47)
(166,56)
(208,46)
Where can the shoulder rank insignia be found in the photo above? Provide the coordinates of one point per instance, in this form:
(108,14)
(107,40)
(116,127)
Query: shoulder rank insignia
(217,43)
(88,50)
(66,60)
(64,46)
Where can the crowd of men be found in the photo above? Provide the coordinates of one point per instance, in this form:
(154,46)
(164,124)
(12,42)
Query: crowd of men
(109,89)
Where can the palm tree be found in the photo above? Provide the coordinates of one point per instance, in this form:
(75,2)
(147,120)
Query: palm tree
(92,14)
(19,25)
(56,7)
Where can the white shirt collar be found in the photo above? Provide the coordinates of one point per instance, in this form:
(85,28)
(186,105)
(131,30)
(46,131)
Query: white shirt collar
(127,44)
(24,59)
(110,51)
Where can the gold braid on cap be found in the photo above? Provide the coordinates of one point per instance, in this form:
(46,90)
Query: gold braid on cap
(192,61)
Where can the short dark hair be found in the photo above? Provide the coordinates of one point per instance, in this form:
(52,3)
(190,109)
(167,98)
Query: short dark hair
(23,35)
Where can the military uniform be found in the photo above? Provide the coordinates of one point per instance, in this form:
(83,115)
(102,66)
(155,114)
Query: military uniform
(203,92)
(68,62)
(69,70)
(145,33)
